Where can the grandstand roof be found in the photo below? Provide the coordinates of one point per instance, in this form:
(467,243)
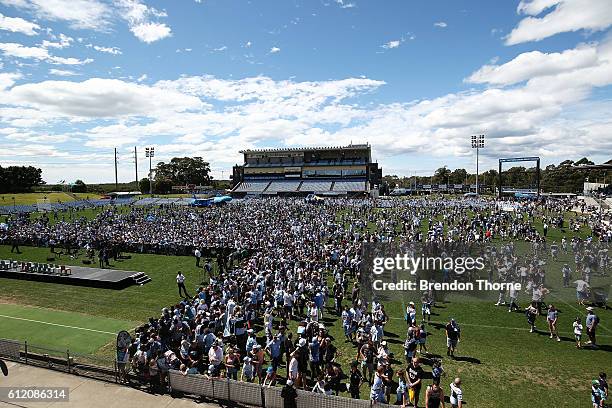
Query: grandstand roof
(297,149)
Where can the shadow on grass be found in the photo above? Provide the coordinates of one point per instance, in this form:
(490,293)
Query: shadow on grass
(471,360)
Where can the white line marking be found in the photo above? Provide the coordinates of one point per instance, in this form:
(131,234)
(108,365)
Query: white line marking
(57,324)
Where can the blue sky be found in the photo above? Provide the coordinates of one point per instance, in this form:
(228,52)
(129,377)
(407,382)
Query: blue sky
(414,79)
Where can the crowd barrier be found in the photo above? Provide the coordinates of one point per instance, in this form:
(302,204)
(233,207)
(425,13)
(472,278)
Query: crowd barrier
(219,389)
(255,395)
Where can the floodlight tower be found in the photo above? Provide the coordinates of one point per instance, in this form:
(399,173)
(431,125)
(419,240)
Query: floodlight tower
(150,153)
(477,143)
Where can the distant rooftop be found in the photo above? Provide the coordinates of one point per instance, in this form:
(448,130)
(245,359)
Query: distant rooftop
(297,149)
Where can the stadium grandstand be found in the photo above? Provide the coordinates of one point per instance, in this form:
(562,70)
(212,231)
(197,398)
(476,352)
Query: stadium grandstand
(332,171)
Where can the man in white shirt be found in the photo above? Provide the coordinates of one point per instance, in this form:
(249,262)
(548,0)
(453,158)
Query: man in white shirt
(180,281)
(197,255)
(215,356)
(456,395)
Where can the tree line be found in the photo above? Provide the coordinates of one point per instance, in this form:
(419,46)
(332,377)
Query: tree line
(566,177)
(19,179)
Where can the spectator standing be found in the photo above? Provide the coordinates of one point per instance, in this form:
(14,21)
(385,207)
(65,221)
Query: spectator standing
(456,394)
(198,256)
(180,281)
(289,395)
(415,376)
(592,320)
(578,332)
(453,334)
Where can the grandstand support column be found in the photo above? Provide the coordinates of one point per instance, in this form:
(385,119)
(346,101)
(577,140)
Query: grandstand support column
(116,180)
(500,179)
(538,176)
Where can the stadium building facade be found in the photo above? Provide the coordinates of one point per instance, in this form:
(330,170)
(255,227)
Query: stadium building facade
(333,171)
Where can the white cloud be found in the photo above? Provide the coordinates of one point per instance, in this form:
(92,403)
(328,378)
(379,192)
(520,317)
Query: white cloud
(344,5)
(39,54)
(391,44)
(151,32)
(8,79)
(99,15)
(141,20)
(64,41)
(561,16)
(18,25)
(62,72)
(274,50)
(108,50)
(535,63)
(98,97)
(440,24)
(90,14)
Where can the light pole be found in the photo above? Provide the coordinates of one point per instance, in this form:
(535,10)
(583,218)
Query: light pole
(477,143)
(150,153)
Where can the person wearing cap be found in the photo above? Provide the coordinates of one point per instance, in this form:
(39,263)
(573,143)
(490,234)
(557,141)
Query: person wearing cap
(257,356)
(251,340)
(289,395)
(248,370)
(592,320)
(456,394)
(270,378)
(598,396)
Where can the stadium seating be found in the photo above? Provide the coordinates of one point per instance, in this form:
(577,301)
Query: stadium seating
(251,187)
(349,186)
(315,186)
(283,186)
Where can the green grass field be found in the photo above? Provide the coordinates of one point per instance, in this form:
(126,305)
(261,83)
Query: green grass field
(33,198)
(60,330)
(501,363)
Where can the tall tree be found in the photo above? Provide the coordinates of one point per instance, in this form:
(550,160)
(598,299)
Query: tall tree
(184,170)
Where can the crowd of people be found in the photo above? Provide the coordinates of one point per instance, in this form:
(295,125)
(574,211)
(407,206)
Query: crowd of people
(304,264)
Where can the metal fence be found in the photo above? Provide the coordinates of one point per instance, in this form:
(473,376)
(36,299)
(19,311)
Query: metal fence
(86,365)
(218,389)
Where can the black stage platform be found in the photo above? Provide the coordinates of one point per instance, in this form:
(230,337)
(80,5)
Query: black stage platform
(81,276)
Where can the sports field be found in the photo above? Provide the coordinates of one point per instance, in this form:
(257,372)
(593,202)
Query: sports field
(500,362)
(33,198)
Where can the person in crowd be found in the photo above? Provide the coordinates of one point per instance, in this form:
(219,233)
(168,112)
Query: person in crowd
(577,326)
(377,391)
(415,376)
(289,395)
(355,380)
(552,317)
(453,335)
(456,394)
(180,281)
(592,321)
(434,396)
